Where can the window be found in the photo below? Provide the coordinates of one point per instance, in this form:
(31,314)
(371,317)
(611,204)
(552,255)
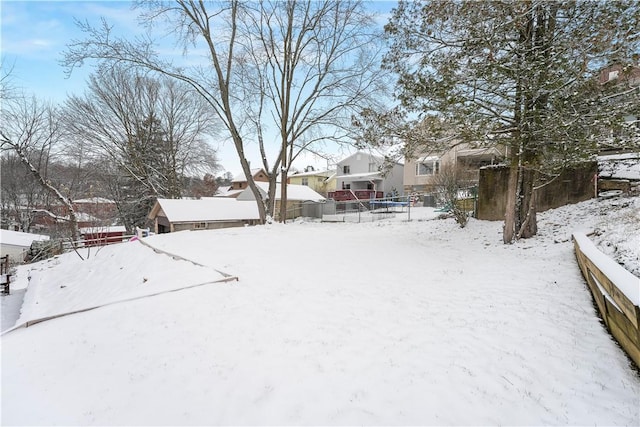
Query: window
(373,167)
(346,169)
(346,186)
(305,181)
(200,226)
(429,167)
(613,74)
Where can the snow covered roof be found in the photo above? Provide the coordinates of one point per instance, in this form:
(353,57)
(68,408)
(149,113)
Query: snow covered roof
(241,176)
(324,173)
(294,192)
(205,210)
(18,238)
(379,159)
(620,166)
(228,192)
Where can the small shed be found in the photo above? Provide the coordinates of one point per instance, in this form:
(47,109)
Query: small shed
(170,215)
(16,243)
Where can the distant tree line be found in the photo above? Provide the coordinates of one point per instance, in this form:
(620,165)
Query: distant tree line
(130,138)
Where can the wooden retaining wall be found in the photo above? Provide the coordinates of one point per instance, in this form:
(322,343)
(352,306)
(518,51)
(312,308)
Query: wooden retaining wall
(616,293)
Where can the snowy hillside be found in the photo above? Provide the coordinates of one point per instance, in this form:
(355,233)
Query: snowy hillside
(384,323)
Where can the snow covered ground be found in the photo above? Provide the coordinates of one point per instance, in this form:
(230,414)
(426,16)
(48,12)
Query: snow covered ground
(383,323)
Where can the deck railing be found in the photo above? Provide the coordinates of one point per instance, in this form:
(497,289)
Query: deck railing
(346,195)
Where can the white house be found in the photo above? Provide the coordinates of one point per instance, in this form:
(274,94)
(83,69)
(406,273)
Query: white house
(16,243)
(365,176)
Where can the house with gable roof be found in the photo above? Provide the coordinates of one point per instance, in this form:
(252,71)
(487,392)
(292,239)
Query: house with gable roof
(321,181)
(364,176)
(239,182)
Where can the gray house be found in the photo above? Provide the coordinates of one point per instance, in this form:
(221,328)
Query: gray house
(363,176)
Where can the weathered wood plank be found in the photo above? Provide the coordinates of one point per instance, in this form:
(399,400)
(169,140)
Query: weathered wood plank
(628,346)
(621,315)
(617,317)
(626,305)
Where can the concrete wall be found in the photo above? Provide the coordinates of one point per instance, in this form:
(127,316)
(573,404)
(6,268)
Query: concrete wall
(572,186)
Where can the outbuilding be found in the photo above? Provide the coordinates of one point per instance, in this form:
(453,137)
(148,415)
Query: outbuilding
(170,215)
(16,243)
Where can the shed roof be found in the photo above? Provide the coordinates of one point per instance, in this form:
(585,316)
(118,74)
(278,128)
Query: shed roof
(205,210)
(18,238)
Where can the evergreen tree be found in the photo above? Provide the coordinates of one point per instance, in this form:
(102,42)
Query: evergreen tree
(518,73)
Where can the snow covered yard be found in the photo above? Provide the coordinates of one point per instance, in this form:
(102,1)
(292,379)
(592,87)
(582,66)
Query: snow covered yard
(384,323)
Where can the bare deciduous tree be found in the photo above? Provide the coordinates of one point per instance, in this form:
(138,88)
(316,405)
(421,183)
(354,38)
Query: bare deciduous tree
(31,129)
(149,133)
(301,67)
(452,185)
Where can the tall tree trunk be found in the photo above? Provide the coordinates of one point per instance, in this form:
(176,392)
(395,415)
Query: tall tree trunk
(283,195)
(509,232)
(527,211)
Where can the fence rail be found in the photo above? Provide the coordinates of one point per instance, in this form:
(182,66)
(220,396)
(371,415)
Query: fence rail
(362,210)
(616,293)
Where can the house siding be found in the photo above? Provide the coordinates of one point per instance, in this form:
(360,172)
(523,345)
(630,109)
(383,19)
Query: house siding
(360,163)
(317,183)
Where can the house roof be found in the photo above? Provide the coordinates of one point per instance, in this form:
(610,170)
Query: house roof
(324,174)
(205,210)
(486,152)
(241,177)
(228,192)
(18,238)
(294,192)
(372,156)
